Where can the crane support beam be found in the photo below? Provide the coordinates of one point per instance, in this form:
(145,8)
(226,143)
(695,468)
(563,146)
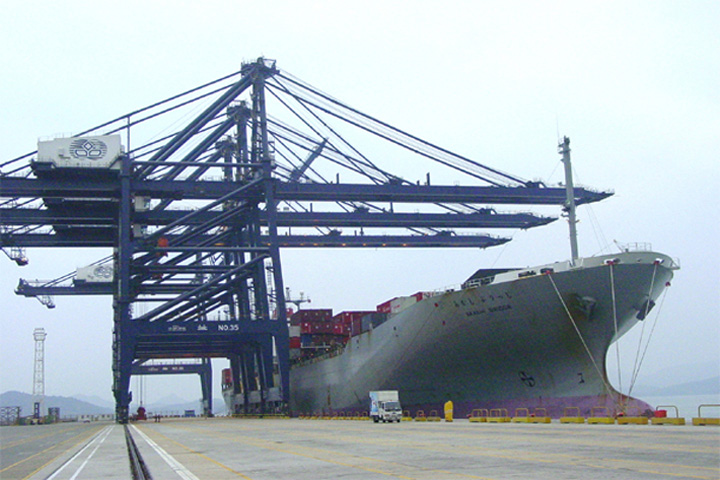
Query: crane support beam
(31,216)
(410,220)
(139,368)
(312,192)
(431,194)
(27,216)
(27,289)
(390,241)
(284,241)
(367,219)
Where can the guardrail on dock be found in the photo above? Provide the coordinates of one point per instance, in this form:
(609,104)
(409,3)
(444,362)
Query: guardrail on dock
(661,417)
(701,420)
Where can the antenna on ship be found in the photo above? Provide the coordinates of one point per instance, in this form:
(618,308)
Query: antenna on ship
(298,301)
(569,206)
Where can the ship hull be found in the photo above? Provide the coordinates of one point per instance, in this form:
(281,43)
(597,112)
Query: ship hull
(526,340)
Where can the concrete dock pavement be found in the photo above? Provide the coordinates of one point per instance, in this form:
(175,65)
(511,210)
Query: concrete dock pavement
(313,449)
(64,451)
(270,449)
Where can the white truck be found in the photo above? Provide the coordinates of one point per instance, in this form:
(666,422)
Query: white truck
(385,406)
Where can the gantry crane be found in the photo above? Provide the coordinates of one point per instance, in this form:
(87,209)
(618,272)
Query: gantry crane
(196,219)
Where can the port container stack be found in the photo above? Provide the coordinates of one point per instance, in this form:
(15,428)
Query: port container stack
(313,331)
(351,322)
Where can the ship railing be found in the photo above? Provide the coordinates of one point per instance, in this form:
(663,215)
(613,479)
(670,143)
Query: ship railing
(447,289)
(334,352)
(635,247)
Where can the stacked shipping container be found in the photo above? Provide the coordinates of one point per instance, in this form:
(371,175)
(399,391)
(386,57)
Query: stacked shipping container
(317,331)
(398,304)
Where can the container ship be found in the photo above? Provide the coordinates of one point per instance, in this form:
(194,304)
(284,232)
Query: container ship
(506,338)
(530,338)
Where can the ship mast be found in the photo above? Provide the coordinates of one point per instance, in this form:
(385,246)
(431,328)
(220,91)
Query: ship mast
(569,206)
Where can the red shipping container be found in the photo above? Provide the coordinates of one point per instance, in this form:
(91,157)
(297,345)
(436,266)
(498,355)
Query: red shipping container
(386,307)
(422,295)
(349,317)
(341,329)
(311,316)
(322,327)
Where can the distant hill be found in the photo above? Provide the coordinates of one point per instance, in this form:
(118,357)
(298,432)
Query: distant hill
(95,400)
(682,374)
(709,386)
(68,406)
(85,405)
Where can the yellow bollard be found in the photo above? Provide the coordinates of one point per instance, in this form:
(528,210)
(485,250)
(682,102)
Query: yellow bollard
(449,411)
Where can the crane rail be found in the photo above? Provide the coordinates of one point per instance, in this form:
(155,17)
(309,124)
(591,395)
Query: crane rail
(138,467)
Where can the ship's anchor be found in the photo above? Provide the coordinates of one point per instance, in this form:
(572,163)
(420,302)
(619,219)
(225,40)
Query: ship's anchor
(526,379)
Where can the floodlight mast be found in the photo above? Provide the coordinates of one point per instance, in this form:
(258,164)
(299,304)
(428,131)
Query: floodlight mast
(39,372)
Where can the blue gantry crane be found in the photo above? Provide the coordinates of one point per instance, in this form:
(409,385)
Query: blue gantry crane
(196,218)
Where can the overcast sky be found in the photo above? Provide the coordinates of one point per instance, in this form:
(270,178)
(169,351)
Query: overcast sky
(633,84)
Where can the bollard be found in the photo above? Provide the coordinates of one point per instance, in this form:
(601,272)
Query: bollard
(449,411)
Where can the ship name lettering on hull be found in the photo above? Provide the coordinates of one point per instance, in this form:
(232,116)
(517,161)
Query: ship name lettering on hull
(483,311)
(466,302)
(499,308)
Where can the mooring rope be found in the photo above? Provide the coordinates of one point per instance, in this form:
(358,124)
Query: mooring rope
(582,339)
(647,344)
(615,323)
(636,366)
